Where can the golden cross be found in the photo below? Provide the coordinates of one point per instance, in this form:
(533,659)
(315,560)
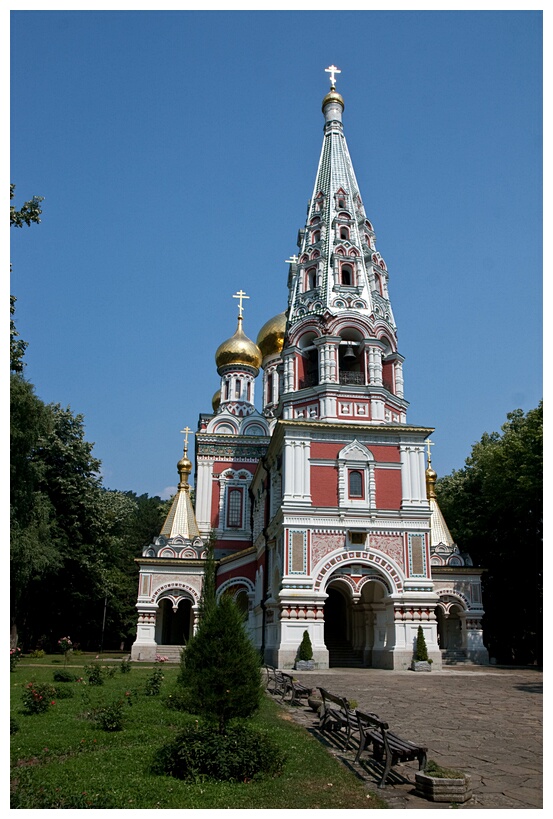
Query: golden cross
(429,443)
(185,432)
(332,70)
(240,295)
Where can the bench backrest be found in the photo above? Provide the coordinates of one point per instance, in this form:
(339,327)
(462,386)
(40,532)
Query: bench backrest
(367,720)
(341,701)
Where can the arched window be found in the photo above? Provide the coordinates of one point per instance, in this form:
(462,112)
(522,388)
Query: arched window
(346,274)
(341,202)
(378,283)
(237,389)
(356,484)
(315,237)
(311,278)
(234,508)
(344,233)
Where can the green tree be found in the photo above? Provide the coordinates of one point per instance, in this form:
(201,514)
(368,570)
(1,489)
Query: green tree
(28,214)
(208,599)
(493,507)
(421,651)
(305,651)
(220,668)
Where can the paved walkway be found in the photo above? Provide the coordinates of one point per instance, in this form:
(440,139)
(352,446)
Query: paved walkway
(485,721)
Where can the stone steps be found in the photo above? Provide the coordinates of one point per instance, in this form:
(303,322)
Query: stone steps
(171,652)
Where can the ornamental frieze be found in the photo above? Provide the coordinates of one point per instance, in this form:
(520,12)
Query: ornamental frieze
(233,452)
(322,543)
(391,545)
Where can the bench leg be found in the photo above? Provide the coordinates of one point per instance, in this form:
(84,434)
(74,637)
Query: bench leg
(387,769)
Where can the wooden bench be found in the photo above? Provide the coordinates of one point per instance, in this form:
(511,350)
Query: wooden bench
(336,713)
(298,690)
(386,744)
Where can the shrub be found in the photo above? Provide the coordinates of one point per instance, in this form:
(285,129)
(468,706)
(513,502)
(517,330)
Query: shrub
(220,668)
(95,673)
(421,652)
(199,751)
(15,656)
(64,676)
(38,697)
(63,692)
(305,651)
(125,666)
(153,683)
(110,717)
(37,654)
(436,771)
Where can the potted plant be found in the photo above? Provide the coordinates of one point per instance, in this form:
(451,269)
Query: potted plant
(304,658)
(439,784)
(420,657)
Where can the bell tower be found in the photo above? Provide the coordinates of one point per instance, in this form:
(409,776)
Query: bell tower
(340,357)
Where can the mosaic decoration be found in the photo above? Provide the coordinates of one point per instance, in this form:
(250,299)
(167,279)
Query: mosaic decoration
(363,558)
(324,542)
(391,545)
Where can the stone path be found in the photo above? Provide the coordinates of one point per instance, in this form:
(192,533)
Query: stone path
(484,721)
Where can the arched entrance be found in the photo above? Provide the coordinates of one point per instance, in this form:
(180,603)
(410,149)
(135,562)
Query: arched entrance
(174,628)
(356,625)
(450,628)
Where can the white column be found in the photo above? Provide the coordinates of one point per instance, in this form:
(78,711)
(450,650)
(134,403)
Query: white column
(399,379)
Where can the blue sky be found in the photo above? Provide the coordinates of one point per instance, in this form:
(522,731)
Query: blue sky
(176,152)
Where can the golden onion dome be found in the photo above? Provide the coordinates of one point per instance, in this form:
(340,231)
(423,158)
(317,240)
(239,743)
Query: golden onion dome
(184,468)
(270,338)
(238,349)
(431,478)
(333,96)
(216,401)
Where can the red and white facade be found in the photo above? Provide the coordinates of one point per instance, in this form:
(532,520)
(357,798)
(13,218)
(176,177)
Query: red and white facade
(319,502)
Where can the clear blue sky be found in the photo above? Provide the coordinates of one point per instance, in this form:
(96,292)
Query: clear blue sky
(176,152)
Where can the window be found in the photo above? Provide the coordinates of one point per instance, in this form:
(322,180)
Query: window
(237,389)
(344,233)
(315,237)
(355,484)
(346,273)
(234,508)
(311,278)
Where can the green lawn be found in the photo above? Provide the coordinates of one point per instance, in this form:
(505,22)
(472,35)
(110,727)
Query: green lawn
(63,759)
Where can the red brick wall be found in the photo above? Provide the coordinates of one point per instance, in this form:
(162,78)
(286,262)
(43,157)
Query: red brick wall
(388,488)
(324,486)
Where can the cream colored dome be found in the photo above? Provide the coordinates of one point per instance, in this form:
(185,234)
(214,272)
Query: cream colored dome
(238,349)
(270,338)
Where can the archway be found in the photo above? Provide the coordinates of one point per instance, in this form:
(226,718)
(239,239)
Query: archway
(173,628)
(450,628)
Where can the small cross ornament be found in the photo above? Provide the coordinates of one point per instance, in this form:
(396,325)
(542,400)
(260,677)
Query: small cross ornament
(332,70)
(292,260)
(186,432)
(429,443)
(240,296)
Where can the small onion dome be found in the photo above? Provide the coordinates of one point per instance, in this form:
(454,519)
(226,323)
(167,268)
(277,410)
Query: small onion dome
(184,468)
(238,349)
(270,338)
(333,96)
(431,478)
(216,401)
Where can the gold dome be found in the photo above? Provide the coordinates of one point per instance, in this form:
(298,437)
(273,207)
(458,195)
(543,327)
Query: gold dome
(216,401)
(333,96)
(431,478)
(238,349)
(270,338)
(184,468)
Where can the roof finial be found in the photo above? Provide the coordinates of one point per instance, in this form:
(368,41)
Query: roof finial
(240,296)
(186,432)
(332,70)
(429,443)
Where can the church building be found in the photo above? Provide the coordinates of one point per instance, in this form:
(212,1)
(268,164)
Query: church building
(320,506)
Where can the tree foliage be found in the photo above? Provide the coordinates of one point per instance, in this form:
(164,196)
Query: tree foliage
(494,510)
(220,668)
(28,213)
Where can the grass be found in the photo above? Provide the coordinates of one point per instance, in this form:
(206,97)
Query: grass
(63,759)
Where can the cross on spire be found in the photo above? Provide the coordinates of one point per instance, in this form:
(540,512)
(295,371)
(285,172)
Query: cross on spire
(429,443)
(332,70)
(292,260)
(186,432)
(240,296)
